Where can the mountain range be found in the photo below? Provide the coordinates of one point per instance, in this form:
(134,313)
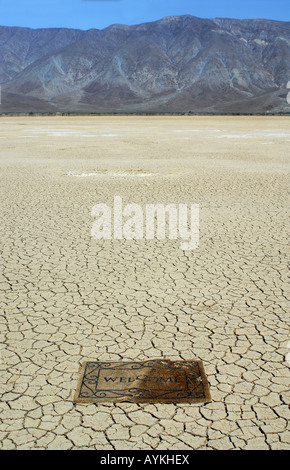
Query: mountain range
(177,64)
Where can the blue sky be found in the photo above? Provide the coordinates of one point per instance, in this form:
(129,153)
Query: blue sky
(86,14)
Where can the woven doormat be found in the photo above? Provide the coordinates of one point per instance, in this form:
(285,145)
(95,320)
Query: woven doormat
(155,381)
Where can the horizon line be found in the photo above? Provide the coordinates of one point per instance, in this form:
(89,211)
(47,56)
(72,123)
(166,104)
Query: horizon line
(146,22)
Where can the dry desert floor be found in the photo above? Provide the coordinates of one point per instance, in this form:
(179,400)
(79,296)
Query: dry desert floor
(67,297)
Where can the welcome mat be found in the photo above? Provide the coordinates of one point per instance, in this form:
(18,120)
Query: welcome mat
(154,381)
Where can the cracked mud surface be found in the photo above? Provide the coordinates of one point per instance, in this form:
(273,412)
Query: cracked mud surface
(66,297)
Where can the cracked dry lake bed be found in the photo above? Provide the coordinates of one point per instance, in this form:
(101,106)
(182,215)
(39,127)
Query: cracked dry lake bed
(67,298)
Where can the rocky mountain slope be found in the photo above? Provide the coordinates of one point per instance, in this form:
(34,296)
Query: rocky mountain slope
(176,64)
